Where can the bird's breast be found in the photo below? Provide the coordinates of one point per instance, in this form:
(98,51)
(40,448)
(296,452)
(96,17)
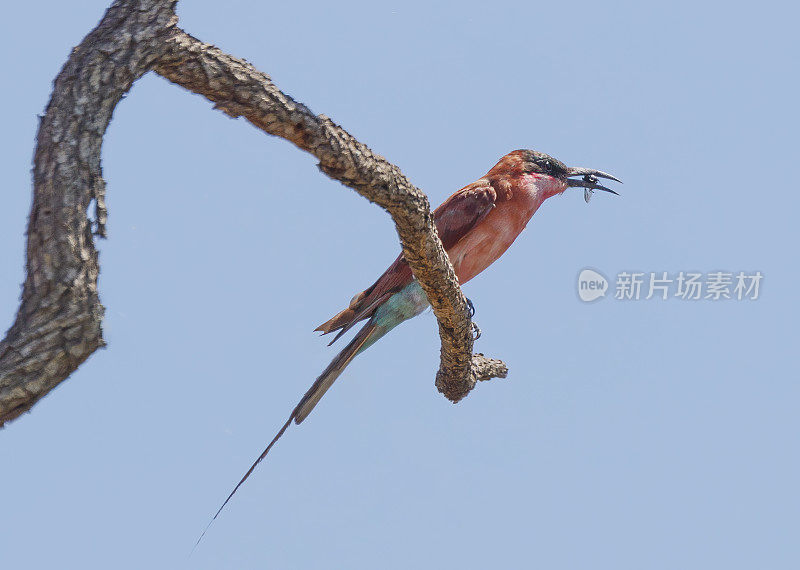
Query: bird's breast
(487,241)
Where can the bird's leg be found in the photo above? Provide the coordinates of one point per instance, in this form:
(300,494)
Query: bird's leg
(471,308)
(476,329)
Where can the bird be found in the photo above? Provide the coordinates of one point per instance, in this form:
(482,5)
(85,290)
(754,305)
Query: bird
(476,225)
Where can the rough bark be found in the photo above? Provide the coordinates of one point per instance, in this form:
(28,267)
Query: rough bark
(59,322)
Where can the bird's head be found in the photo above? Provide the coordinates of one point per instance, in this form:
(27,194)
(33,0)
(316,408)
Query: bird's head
(549,174)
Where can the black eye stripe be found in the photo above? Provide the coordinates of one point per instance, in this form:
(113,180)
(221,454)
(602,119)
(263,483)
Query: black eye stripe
(550,167)
(544,164)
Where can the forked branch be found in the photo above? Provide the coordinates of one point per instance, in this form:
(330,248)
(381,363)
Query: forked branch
(59,322)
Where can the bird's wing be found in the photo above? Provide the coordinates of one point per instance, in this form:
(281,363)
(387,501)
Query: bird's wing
(454,219)
(397,276)
(463,211)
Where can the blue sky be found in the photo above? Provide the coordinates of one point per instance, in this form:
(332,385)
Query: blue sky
(640,434)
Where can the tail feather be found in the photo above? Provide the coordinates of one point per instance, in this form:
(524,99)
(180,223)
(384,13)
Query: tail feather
(311,398)
(331,373)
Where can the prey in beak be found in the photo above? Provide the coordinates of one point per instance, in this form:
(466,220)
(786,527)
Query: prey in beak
(589,181)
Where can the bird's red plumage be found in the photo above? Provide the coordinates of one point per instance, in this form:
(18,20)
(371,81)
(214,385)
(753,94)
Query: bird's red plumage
(477,225)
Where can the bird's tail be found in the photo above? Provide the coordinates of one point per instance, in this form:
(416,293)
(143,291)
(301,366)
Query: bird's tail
(364,338)
(368,334)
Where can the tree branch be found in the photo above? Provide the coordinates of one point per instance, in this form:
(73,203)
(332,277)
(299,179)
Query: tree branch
(58,324)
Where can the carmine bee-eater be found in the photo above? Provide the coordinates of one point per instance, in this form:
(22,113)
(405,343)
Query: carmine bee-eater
(477,225)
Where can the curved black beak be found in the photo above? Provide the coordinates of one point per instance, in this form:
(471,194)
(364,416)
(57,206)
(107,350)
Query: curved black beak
(588,180)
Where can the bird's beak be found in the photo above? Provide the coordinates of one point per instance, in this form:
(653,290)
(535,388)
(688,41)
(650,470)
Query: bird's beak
(589,178)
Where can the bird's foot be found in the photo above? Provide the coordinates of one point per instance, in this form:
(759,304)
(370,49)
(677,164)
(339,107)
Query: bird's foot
(476,330)
(471,308)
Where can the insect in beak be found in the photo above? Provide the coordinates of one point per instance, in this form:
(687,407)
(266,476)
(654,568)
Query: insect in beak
(587,192)
(588,181)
